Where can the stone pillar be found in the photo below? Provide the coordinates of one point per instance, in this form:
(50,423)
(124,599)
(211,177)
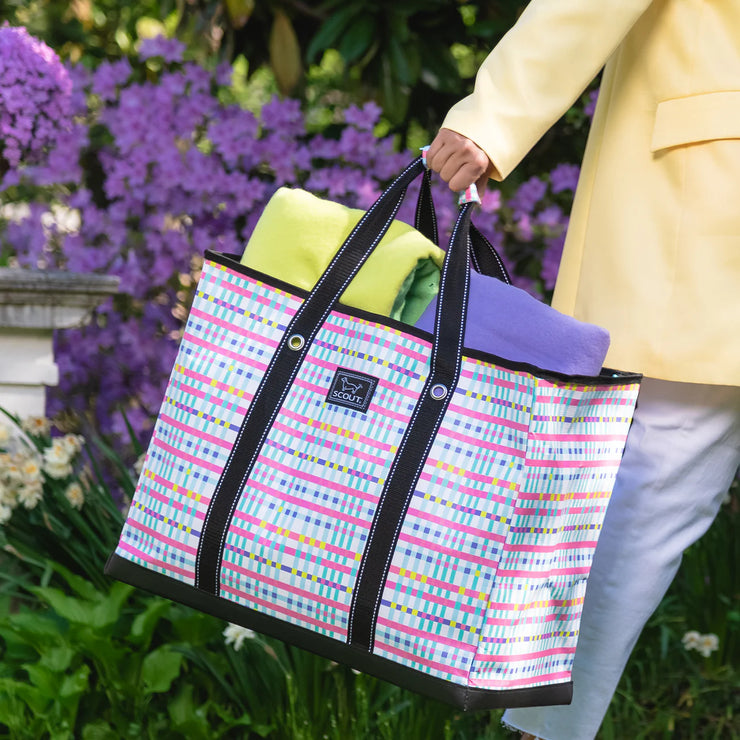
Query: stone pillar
(32,305)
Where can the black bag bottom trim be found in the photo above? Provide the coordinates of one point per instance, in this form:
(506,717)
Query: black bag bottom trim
(462,697)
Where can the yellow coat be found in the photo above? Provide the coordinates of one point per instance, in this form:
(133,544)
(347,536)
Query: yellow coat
(653,248)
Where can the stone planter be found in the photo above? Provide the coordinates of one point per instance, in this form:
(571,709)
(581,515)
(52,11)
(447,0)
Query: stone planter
(32,305)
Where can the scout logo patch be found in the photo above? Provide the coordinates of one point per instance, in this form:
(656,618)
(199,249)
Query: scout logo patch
(352,390)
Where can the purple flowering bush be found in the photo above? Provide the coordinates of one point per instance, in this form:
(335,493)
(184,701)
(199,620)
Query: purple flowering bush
(155,165)
(35,94)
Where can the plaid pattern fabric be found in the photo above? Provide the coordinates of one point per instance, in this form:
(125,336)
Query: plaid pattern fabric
(486,581)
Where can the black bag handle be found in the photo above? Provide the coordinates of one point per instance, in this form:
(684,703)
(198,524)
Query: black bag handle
(484,257)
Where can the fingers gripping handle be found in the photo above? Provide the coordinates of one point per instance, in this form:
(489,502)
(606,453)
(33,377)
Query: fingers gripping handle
(469,195)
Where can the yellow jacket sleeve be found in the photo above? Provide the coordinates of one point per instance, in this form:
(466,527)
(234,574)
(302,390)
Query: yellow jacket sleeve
(537,71)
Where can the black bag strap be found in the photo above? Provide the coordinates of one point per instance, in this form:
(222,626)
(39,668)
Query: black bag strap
(484,257)
(444,370)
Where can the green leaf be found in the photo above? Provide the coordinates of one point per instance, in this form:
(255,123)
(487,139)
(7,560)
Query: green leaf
(85,612)
(99,730)
(331,30)
(72,609)
(401,70)
(45,680)
(160,669)
(81,586)
(35,628)
(108,611)
(187,718)
(144,624)
(57,659)
(358,38)
(75,684)
(36,699)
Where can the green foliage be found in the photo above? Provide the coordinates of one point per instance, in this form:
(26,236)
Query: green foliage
(108,663)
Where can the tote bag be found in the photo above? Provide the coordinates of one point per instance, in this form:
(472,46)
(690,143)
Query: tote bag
(377,494)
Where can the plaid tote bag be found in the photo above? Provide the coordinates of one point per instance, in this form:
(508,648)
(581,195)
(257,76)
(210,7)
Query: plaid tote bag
(374,493)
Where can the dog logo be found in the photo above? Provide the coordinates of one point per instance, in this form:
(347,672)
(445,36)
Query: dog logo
(348,387)
(352,390)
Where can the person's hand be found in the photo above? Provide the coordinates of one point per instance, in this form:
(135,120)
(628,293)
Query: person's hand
(459,161)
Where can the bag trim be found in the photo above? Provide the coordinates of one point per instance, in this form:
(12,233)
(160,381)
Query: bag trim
(463,697)
(607,377)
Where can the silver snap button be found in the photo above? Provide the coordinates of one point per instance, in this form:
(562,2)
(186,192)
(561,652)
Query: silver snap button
(438,391)
(296,342)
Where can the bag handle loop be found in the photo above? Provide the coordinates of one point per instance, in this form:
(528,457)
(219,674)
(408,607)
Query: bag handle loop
(484,257)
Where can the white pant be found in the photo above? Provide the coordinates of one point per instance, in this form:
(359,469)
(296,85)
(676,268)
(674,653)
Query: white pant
(682,453)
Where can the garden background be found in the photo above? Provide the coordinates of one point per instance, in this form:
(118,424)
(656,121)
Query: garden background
(162,132)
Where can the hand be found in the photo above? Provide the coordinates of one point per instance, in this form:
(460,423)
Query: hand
(459,161)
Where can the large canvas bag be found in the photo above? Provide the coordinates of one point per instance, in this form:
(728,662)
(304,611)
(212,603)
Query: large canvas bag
(372,492)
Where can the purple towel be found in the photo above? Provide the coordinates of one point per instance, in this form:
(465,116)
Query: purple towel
(508,322)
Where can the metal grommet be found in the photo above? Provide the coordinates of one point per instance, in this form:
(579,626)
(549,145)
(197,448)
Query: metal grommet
(438,392)
(296,342)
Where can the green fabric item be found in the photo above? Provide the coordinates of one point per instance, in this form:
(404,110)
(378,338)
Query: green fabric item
(418,290)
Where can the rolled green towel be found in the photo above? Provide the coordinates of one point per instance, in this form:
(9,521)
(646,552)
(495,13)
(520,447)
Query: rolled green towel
(298,234)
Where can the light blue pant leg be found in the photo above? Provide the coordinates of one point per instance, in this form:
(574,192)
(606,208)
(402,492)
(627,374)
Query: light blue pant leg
(682,453)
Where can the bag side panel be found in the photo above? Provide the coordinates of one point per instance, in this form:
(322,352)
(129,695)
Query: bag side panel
(444,565)
(575,445)
(233,325)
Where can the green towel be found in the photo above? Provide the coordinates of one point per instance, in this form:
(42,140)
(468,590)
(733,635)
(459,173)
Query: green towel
(298,234)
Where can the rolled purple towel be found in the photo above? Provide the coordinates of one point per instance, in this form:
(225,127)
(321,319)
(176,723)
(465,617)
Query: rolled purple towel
(509,323)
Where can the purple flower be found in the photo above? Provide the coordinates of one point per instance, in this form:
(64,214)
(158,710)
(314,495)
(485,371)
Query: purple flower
(491,201)
(529,194)
(564,177)
(363,118)
(551,218)
(551,261)
(109,77)
(170,50)
(283,118)
(35,97)
(223,74)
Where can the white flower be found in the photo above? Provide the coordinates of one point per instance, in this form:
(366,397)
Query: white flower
(36,425)
(235,635)
(75,495)
(5,513)
(72,443)
(29,496)
(59,453)
(4,434)
(704,644)
(708,644)
(139,464)
(58,470)
(57,459)
(8,496)
(10,470)
(31,471)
